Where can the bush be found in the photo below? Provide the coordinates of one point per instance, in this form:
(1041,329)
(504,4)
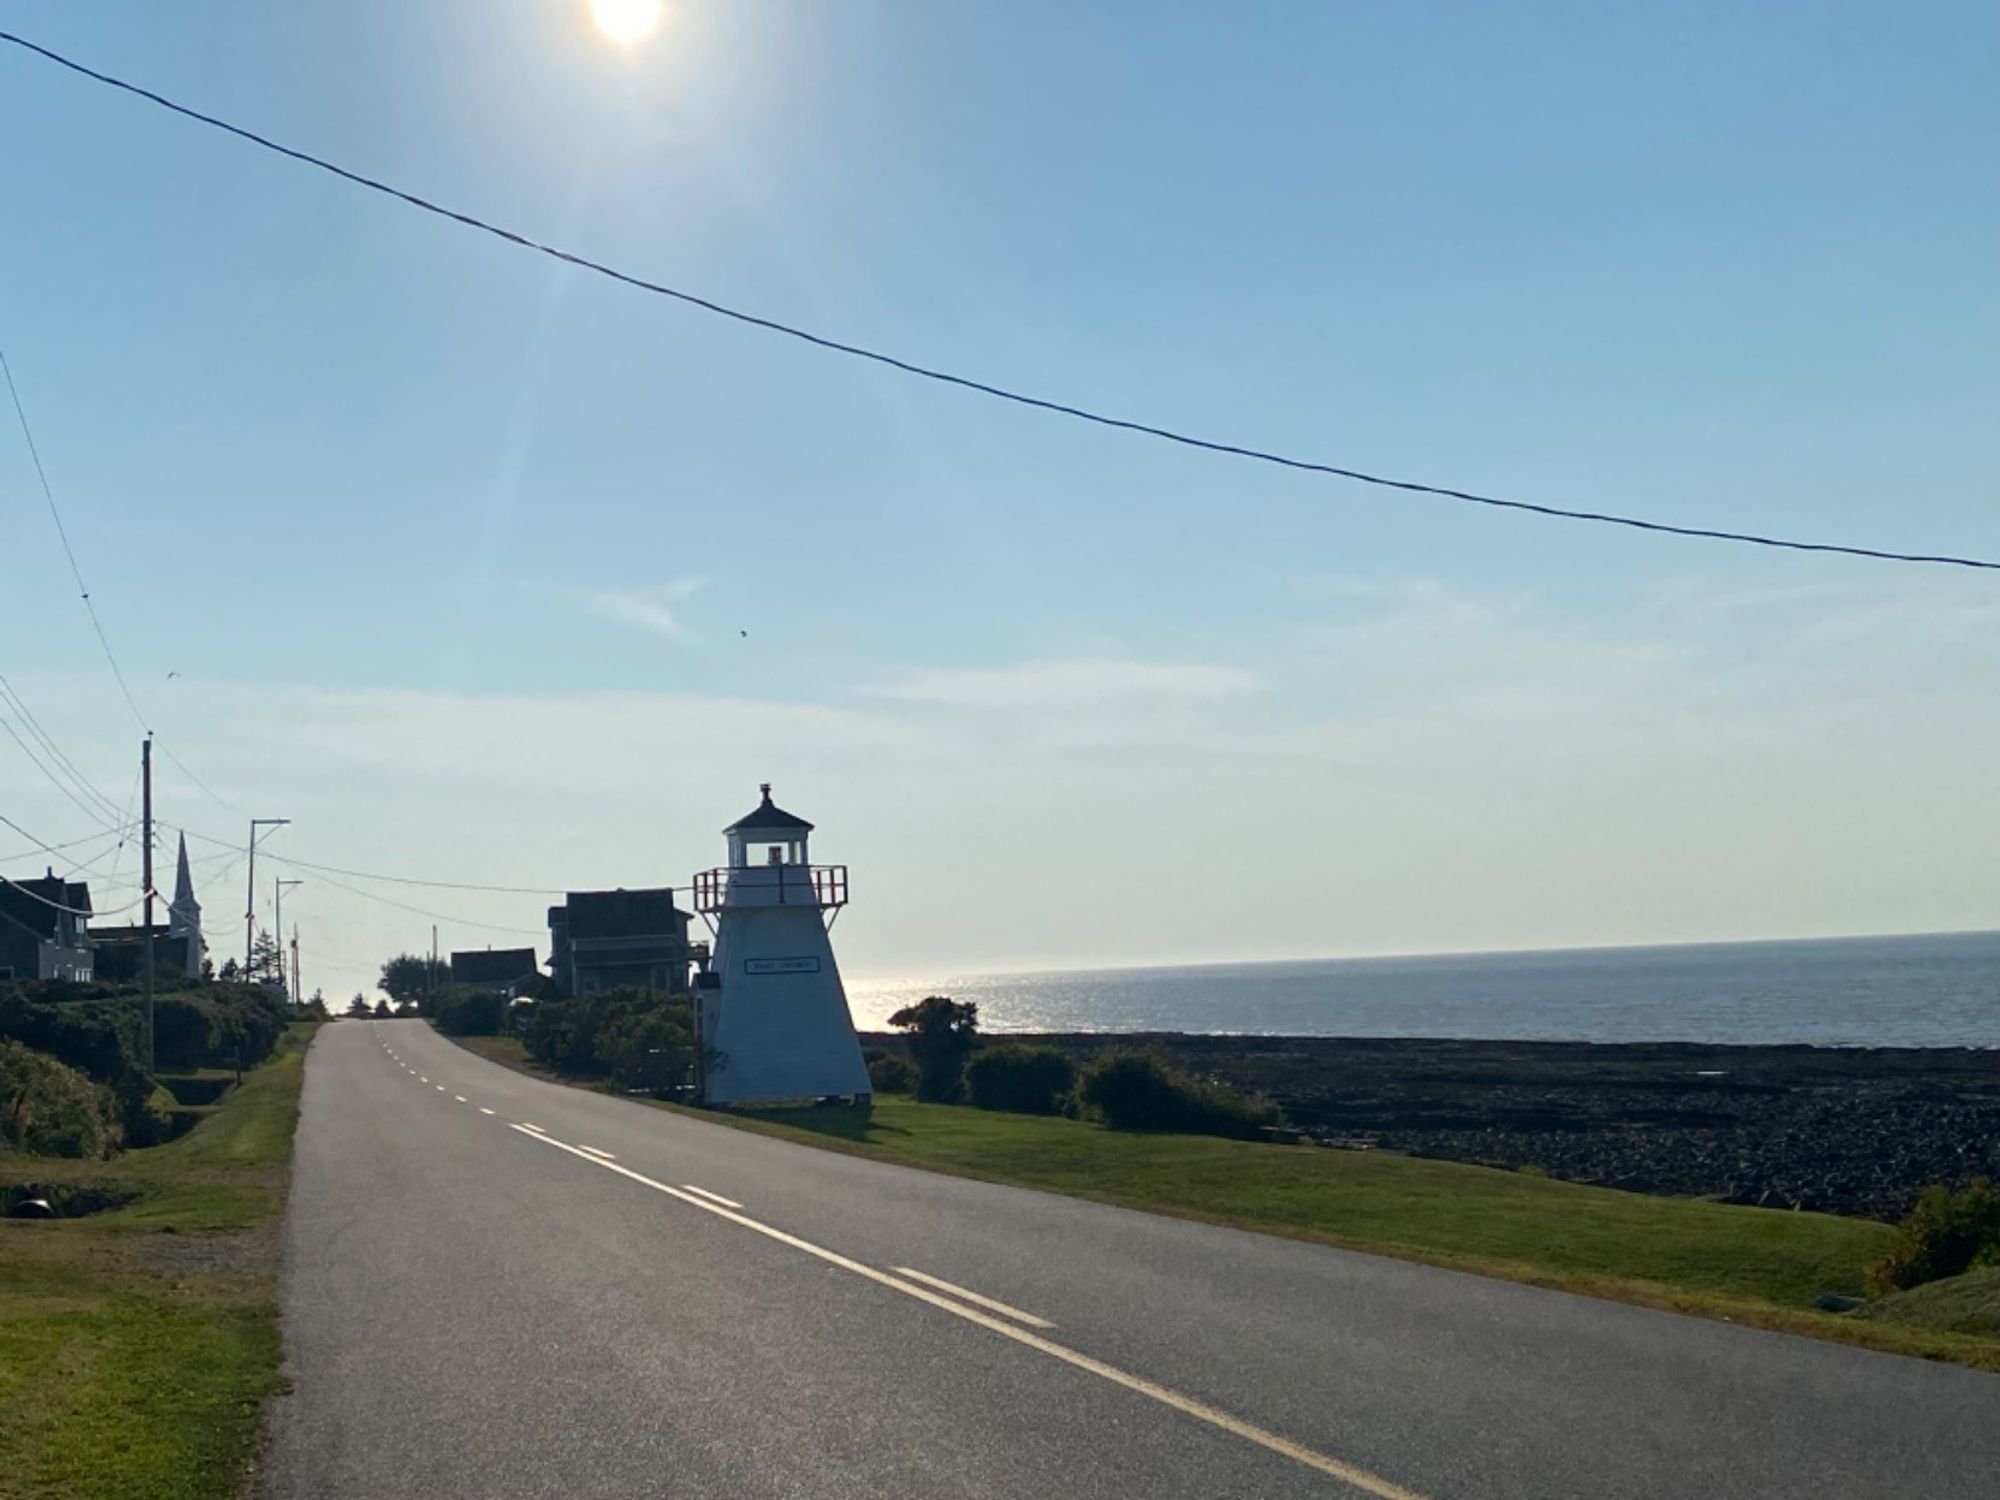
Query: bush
(99,1029)
(889,1074)
(51,1109)
(1139,1091)
(1026,1080)
(942,1035)
(648,1050)
(462,1011)
(1944,1234)
(610,1035)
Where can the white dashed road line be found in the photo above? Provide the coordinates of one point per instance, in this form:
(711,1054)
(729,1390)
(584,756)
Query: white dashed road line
(1349,1474)
(598,1152)
(484,1110)
(459,1097)
(991,1304)
(712,1197)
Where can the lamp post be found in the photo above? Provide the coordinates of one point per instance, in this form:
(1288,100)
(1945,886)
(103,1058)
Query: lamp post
(278,888)
(250,897)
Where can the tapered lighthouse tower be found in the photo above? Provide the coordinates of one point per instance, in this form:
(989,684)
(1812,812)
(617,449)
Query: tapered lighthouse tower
(773,1015)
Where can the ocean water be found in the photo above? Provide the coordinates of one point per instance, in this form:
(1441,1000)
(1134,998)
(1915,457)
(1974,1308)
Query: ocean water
(1926,991)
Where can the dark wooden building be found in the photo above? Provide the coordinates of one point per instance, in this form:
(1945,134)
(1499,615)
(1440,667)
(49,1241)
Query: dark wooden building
(600,940)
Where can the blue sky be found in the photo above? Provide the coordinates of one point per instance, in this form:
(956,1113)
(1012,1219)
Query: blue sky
(453,550)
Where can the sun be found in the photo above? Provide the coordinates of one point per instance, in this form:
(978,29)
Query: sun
(626,20)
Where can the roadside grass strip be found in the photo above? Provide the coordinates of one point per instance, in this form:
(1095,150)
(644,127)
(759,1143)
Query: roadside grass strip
(137,1345)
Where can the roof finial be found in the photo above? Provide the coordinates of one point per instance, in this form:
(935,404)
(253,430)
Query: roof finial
(765,788)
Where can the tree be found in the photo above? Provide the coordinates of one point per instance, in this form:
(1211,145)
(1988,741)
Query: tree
(942,1034)
(357,1007)
(408,977)
(382,1009)
(230,973)
(267,961)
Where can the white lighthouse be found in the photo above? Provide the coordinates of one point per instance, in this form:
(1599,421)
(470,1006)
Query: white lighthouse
(773,1016)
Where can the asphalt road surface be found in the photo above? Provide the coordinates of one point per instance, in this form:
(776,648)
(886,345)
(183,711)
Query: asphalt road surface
(500,1288)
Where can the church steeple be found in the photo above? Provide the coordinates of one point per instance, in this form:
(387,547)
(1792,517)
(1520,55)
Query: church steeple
(184,916)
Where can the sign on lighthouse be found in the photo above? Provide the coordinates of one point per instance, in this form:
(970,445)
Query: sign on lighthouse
(773,1016)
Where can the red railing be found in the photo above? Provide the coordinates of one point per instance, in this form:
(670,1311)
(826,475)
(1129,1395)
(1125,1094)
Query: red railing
(828,884)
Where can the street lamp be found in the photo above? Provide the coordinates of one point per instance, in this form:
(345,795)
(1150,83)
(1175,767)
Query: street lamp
(250,897)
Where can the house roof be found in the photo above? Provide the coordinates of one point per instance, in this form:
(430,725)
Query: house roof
(33,903)
(767,816)
(493,965)
(603,914)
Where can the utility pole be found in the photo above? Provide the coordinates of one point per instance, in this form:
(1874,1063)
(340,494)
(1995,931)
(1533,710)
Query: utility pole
(146,882)
(431,978)
(250,896)
(298,985)
(278,929)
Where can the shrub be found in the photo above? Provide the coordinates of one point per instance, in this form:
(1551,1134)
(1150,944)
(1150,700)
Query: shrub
(599,1035)
(1139,1091)
(461,1011)
(647,1050)
(99,1030)
(1026,1080)
(50,1109)
(942,1035)
(889,1074)
(1944,1234)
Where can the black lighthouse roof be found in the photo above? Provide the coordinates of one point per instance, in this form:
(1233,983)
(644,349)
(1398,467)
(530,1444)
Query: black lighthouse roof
(767,816)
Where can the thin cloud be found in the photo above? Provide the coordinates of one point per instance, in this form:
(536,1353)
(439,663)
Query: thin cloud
(1083,680)
(656,610)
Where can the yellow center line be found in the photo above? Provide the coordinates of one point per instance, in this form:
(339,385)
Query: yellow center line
(1349,1474)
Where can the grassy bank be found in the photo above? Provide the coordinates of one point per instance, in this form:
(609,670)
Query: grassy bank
(1757,1266)
(137,1345)
(1748,1265)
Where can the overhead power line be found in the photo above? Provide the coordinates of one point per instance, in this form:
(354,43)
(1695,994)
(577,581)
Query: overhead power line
(41,848)
(75,911)
(55,514)
(986,388)
(83,592)
(11,696)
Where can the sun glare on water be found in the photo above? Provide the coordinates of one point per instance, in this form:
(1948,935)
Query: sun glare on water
(626,20)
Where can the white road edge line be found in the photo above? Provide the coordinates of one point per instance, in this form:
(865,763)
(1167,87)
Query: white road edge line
(531,1125)
(991,1304)
(1349,1474)
(598,1151)
(713,1197)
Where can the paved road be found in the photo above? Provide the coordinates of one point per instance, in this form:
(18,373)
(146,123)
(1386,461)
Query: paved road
(476,1308)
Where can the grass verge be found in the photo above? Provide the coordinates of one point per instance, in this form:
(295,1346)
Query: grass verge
(137,1346)
(1761,1267)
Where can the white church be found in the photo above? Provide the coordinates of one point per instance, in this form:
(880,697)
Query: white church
(771,1014)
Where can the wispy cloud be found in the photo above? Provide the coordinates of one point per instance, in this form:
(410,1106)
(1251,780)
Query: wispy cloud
(1069,682)
(657,608)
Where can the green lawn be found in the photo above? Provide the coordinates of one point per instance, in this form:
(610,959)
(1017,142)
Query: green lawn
(1967,1304)
(137,1346)
(1752,1265)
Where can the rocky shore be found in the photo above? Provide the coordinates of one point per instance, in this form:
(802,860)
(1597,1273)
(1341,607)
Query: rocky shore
(1839,1130)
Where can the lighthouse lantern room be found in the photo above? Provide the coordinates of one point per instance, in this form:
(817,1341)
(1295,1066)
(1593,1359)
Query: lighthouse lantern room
(772,1012)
